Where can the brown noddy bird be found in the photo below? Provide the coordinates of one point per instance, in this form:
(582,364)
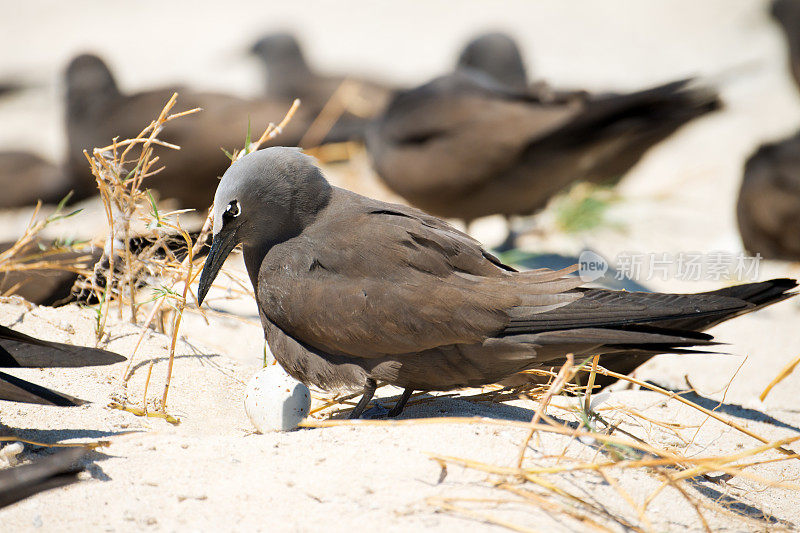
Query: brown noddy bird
(50,472)
(18,350)
(289,76)
(768,208)
(97,111)
(352,291)
(26,178)
(787,14)
(465,146)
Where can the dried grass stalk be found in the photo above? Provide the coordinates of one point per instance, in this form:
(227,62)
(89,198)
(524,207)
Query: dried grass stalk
(132,213)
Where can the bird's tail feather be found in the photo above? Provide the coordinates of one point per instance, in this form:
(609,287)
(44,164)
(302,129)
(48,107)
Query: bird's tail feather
(15,389)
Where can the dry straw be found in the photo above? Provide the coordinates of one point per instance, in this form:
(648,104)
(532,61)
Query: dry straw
(169,255)
(31,252)
(783,374)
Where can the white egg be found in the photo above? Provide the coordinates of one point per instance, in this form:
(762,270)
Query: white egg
(275,401)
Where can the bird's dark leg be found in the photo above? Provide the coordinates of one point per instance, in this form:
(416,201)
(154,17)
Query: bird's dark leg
(366,396)
(401,403)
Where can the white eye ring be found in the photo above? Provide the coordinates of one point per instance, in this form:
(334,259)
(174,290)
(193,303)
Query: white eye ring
(233,209)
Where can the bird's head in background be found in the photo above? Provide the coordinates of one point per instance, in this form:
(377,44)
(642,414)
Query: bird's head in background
(497,55)
(279,52)
(89,83)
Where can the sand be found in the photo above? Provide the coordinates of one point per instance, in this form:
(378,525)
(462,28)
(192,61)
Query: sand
(212,472)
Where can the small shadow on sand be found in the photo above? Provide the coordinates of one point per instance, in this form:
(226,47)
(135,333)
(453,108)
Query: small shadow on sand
(735,505)
(731,409)
(146,361)
(53,436)
(460,407)
(88,461)
(449,404)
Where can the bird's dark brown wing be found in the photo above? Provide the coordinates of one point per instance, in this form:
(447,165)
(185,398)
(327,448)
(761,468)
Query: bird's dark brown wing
(606,308)
(377,279)
(391,280)
(20,350)
(14,389)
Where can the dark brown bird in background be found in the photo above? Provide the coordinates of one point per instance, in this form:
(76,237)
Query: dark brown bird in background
(56,286)
(52,471)
(464,146)
(50,286)
(768,208)
(289,76)
(18,350)
(97,111)
(787,14)
(352,291)
(26,178)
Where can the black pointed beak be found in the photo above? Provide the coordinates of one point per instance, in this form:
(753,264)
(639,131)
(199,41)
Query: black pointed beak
(223,243)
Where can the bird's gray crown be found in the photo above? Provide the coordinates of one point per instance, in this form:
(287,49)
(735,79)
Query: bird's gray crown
(273,193)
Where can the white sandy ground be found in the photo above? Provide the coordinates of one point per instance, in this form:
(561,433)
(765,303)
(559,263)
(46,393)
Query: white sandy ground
(212,472)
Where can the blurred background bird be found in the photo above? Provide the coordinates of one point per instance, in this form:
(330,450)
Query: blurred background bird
(768,205)
(787,14)
(26,177)
(289,76)
(97,111)
(432,146)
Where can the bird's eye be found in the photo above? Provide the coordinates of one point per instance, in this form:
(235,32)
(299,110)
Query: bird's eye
(233,210)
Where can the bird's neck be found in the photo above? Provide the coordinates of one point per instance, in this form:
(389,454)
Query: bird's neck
(253,256)
(86,107)
(286,77)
